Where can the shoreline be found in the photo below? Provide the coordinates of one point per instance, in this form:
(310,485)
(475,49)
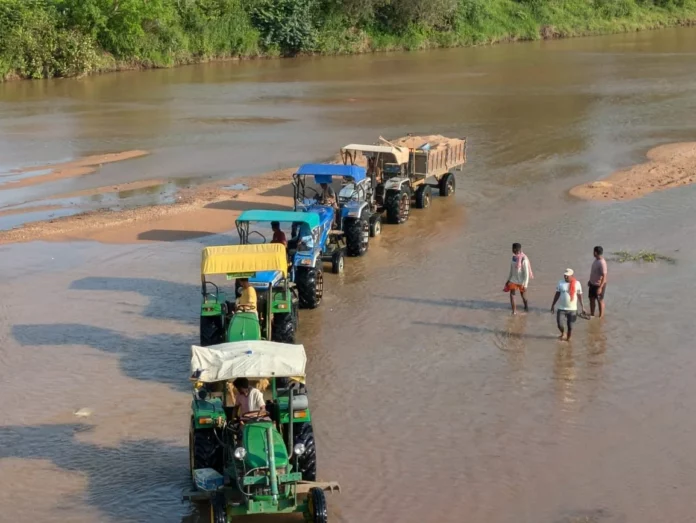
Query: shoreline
(666,167)
(395,44)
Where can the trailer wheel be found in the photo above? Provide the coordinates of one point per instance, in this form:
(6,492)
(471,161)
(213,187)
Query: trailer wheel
(212,330)
(316,506)
(307,462)
(375,225)
(218,508)
(205,450)
(310,286)
(423,197)
(357,235)
(398,205)
(448,184)
(338,262)
(284,328)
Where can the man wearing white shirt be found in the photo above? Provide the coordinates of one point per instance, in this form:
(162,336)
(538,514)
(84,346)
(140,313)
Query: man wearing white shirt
(568,295)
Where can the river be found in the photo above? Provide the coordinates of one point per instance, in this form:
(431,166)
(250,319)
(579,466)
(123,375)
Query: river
(431,402)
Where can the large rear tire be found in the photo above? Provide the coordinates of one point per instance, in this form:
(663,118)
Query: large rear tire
(212,330)
(317,506)
(205,450)
(283,328)
(398,205)
(357,235)
(448,185)
(307,462)
(424,195)
(310,286)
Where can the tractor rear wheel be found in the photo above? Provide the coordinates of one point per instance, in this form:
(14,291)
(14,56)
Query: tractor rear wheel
(375,225)
(218,508)
(317,506)
(448,184)
(212,330)
(284,328)
(307,462)
(357,235)
(205,450)
(398,205)
(424,195)
(310,286)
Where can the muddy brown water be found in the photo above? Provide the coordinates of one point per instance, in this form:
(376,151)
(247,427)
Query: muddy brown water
(431,402)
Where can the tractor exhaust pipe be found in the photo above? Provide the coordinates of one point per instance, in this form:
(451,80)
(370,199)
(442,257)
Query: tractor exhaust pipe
(272,464)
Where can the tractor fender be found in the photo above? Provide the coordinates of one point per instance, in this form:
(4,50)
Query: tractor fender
(395,184)
(306,259)
(353,209)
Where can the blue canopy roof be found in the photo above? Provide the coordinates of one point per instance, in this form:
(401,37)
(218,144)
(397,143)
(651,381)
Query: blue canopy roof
(328,170)
(310,218)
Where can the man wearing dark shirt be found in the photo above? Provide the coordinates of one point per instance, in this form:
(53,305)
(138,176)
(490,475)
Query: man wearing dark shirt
(278,235)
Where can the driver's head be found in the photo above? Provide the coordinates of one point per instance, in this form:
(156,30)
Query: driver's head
(242,385)
(323,185)
(244,282)
(275,226)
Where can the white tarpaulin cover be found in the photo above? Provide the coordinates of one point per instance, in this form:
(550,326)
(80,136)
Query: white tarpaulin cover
(248,359)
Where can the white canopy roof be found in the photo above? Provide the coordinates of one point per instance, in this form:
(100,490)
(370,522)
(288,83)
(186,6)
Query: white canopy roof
(248,359)
(400,153)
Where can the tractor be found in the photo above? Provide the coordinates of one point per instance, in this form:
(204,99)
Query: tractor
(263,462)
(406,174)
(354,207)
(311,244)
(266,268)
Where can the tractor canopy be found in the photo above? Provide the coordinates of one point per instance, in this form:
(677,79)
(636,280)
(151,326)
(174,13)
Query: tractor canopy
(247,359)
(244,261)
(311,219)
(325,172)
(394,154)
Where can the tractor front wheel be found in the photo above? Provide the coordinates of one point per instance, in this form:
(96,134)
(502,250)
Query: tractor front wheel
(398,205)
(423,197)
(375,225)
(218,509)
(338,262)
(357,235)
(316,506)
(284,328)
(310,286)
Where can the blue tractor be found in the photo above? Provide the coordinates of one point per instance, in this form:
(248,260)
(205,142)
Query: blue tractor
(312,242)
(354,207)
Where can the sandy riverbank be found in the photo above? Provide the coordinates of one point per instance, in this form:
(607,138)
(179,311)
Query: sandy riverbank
(668,166)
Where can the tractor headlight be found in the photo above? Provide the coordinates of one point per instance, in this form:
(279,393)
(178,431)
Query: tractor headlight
(299,449)
(239,453)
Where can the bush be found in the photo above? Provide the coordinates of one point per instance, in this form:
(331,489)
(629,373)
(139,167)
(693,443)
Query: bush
(286,25)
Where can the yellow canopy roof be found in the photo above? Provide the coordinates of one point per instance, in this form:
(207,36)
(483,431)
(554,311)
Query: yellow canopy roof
(243,259)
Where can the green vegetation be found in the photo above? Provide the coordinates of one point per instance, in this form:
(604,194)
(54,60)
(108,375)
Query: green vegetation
(49,38)
(642,256)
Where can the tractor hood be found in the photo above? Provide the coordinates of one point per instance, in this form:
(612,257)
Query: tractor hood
(255,442)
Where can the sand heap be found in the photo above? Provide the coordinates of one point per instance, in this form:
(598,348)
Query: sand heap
(668,166)
(435,140)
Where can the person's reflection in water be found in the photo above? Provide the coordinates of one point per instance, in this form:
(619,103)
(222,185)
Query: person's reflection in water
(513,343)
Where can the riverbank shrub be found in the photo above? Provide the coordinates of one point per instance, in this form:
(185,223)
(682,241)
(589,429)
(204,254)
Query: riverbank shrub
(48,38)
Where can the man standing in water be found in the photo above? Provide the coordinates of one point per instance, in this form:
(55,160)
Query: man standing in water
(569,292)
(598,281)
(518,279)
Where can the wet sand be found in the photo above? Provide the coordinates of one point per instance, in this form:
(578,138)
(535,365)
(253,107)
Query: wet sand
(668,166)
(37,175)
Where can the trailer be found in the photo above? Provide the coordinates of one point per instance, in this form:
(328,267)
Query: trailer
(404,172)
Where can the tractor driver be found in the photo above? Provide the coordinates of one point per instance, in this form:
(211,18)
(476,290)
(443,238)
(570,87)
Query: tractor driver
(249,402)
(327,196)
(247,300)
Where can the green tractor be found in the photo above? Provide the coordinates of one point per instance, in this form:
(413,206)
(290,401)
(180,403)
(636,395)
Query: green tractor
(266,268)
(257,464)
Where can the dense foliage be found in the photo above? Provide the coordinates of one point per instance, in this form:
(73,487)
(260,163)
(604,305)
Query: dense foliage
(47,38)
